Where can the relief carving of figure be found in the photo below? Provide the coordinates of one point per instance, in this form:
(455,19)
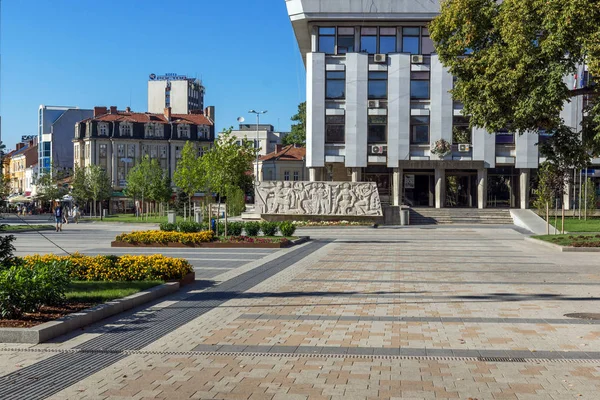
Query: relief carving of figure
(345,199)
(363,205)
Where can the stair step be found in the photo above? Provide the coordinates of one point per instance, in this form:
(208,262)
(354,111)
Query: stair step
(428,216)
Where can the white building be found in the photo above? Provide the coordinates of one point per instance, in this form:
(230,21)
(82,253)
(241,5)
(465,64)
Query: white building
(378,99)
(283,164)
(268,139)
(184,95)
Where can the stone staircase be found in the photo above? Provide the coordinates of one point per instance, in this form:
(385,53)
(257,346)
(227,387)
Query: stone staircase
(434,216)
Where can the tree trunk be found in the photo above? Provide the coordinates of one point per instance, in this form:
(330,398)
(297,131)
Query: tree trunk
(190,207)
(556,217)
(562,228)
(218,216)
(226,219)
(547,218)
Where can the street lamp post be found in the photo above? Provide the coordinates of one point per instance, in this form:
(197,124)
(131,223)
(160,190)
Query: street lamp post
(258,113)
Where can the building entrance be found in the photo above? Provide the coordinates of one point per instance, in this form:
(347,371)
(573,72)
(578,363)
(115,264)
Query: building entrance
(503,186)
(419,188)
(461,189)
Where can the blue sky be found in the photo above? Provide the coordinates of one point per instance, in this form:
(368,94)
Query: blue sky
(85,53)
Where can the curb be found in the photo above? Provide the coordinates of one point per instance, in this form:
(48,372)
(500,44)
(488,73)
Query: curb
(564,249)
(300,240)
(51,329)
(50,228)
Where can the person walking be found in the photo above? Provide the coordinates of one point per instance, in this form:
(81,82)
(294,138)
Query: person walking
(58,215)
(76,213)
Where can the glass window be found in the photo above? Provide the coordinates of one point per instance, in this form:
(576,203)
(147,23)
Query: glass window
(335,128)
(368,40)
(327,40)
(296,176)
(410,40)
(335,86)
(387,40)
(286,175)
(102,151)
(461,133)
(377,85)
(503,136)
(377,129)
(419,90)
(419,130)
(345,40)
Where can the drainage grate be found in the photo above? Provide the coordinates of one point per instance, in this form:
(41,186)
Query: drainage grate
(50,376)
(588,316)
(501,359)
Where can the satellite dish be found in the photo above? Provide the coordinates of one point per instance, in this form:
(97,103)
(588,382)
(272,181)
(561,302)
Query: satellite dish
(152,77)
(240,119)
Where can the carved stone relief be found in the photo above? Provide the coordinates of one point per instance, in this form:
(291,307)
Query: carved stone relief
(318,198)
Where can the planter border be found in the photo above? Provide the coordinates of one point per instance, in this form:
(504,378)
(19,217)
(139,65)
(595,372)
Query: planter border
(215,245)
(51,329)
(564,249)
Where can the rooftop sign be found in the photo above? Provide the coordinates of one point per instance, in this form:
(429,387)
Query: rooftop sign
(168,77)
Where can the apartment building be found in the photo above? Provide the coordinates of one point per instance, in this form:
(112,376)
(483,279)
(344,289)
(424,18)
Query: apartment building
(378,100)
(183,94)
(23,158)
(263,136)
(117,140)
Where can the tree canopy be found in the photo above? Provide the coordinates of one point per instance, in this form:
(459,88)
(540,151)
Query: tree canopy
(511,58)
(298,134)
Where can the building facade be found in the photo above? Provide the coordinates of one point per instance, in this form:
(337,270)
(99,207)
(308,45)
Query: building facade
(286,163)
(378,100)
(24,157)
(184,95)
(268,139)
(117,140)
(55,132)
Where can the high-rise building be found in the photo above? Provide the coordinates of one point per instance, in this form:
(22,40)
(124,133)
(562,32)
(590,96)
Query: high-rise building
(378,101)
(55,132)
(184,95)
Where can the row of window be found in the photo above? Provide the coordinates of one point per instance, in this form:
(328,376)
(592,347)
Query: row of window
(286,175)
(375,40)
(335,85)
(154,130)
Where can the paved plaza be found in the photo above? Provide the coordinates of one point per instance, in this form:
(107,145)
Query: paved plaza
(357,313)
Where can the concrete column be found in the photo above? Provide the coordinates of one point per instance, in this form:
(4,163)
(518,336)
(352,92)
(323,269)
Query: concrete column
(397,185)
(315,110)
(440,187)
(357,78)
(314,174)
(398,109)
(524,188)
(356,174)
(482,188)
(441,105)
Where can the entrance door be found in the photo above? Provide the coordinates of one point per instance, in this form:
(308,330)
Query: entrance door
(418,189)
(461,190)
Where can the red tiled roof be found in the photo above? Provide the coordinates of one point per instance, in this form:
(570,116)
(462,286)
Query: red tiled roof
(288,153)
(194,119)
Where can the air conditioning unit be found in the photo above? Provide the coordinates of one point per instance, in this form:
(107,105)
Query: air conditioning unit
(378,149)
(380,58)
(373,104)
(416,59)
(464,147)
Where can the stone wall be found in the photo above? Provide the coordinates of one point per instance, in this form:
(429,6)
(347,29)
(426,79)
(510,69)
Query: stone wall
(318,198)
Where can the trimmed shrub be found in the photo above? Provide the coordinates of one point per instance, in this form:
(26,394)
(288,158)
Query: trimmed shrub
(252,228)
(168,227)
(235,228)
(287,228)
(160,237)
(6,248)
(269,228)
(190,227)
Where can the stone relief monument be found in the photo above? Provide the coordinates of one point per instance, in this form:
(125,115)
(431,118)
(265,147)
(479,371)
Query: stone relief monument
(318,198)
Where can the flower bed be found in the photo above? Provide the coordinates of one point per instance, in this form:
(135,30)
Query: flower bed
(331,223)
(113,268)
(248,239)
(165,237)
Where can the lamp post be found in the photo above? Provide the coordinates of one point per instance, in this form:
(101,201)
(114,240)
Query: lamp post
(258,113)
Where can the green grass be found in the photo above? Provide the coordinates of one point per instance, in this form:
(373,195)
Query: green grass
(101,292)
(129,218)
(578,225)
(590,240)
(17,228)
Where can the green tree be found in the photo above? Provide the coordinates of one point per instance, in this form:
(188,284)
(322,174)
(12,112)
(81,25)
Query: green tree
(4,186)
(79,187)
(591,199)
(50,186)
(298,134)
(98,184)
(189,175)
(510,59)
(226,165)
(138,181)
(160,184)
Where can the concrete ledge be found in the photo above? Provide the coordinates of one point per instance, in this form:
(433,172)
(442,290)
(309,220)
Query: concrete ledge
(49,330)
(564,249)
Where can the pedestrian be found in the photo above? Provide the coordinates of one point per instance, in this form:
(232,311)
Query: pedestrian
(76,213)
(58,215)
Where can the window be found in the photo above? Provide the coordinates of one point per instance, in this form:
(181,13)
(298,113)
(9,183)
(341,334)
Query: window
(163,152)
(121,150)
(183,131)
(410,40)
(335,85)
(131,150)
(419,130)
(286,176)
(153,152)
(126,129)
(461,133)
(503,136)
(377,129)
(345,40)
(177,152)
(335,127)
(368,40)
(378,85)
(426,42)
(296,176)
(387,40)
(149,130)
(102,151)
(419,85)
(327,40)
(102,129)
(87,150)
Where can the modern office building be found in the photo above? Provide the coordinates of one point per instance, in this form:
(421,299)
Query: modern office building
(268,139)
(378,100)
(117,140)
(184,95)
(55,132)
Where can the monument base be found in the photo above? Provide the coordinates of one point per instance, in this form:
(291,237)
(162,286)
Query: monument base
(330,218)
